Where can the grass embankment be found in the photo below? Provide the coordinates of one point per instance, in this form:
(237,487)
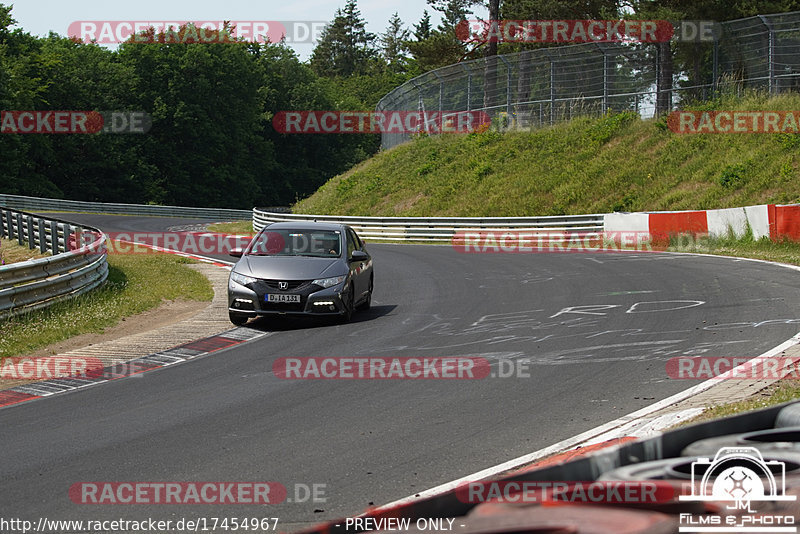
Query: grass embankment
(13,252)
(588,165)
(136,283)
(747,247)
(777,393)
(233,227)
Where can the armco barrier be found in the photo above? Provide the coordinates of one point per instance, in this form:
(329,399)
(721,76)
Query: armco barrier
(766,220)
(72,269)
(52,204)
(437,229)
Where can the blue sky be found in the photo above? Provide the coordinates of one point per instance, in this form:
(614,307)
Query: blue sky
(41,16)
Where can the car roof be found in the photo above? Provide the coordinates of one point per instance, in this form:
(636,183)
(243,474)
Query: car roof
(306,225)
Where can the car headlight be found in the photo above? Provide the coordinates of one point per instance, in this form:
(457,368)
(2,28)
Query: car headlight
(242,279)
(329,282)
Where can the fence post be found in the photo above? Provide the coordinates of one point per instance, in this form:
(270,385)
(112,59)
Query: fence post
(605,80)
(469,86)
(508,84)
(715,67)
(770,53)
(552,90)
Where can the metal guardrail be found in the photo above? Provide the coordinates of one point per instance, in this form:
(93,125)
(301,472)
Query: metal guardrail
(78,264)
(436,229)
(52,204)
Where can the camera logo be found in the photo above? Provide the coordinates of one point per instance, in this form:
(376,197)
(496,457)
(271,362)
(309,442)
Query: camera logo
(739,475)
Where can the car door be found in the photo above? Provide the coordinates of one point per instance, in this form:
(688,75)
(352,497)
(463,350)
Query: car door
(359,269)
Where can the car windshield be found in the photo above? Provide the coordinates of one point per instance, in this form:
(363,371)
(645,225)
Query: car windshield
(288,242)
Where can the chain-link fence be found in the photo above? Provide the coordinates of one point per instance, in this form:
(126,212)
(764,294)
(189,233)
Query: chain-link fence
(547,85)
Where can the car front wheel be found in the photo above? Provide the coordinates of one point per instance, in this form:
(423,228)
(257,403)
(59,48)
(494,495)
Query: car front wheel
(368,301)
(349,305)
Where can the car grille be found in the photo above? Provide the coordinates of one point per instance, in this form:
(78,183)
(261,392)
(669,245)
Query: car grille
(293,284)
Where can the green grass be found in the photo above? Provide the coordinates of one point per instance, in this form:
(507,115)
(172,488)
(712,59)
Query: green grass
(136,283)
(234,227)
(747,247)
(589,165)
(780,392)
(13,252)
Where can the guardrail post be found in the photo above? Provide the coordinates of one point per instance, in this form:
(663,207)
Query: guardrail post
(20,238)
(68,229)
(2,223)
(42,236)
(54,237)
(31,243)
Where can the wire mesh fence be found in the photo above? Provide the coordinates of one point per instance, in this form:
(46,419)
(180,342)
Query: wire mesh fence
(546,85)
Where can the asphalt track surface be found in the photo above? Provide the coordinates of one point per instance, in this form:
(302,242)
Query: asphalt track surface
(226,417)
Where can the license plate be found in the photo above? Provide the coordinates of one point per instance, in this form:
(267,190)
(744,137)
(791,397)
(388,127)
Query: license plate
(282,298)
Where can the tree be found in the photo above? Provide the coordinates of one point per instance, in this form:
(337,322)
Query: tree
(345,46)
(393,45)
(423,30)
(441,46)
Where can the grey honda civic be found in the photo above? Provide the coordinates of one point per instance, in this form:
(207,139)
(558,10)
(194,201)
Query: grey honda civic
(301,268)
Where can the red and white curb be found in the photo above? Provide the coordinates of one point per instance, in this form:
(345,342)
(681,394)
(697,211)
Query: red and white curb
(143,364)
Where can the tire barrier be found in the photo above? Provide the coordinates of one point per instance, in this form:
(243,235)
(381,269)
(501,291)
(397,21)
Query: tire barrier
(789,416)
(786,439)
(656,459)
(681,468)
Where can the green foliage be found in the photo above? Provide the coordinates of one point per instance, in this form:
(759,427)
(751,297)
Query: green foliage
(607,126)
(345,46)
(616,162)
(733,176)
(211,142)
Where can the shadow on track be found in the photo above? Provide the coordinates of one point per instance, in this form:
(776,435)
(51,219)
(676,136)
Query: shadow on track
(287,323)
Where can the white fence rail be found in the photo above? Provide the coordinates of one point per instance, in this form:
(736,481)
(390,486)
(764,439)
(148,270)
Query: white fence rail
(437,229)
(78,263)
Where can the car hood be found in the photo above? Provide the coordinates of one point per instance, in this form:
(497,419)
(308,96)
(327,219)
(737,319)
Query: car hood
(289,267)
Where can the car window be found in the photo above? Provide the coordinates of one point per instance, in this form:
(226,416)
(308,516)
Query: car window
(301,242)
(359,243)
(351,243)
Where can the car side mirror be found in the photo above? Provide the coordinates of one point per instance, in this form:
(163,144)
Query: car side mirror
(237,252)
(359,255)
